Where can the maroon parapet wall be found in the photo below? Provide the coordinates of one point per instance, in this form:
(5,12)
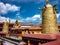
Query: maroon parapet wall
(41,36)
(35,39)
(2,34)
(56,42)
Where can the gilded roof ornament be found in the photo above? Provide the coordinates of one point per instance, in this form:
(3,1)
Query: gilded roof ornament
(48,4)
(47,1)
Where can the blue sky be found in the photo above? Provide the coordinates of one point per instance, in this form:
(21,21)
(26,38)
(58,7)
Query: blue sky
(24,10)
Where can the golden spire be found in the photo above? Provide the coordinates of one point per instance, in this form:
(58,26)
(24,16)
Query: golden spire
(48,4)
(5,26)
(49,20)
(47,1)
(16,25)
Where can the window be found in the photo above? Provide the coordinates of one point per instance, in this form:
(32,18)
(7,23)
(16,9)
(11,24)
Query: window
(27,31)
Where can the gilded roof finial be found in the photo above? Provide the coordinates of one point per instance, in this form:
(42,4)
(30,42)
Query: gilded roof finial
(47,1)
(5,26)
(16,25)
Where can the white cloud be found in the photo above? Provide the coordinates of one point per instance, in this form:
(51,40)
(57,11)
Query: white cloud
(34,18)
(28,19)
(2,19)
(13,20)
(4,8)
(58,15)
(18,16)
